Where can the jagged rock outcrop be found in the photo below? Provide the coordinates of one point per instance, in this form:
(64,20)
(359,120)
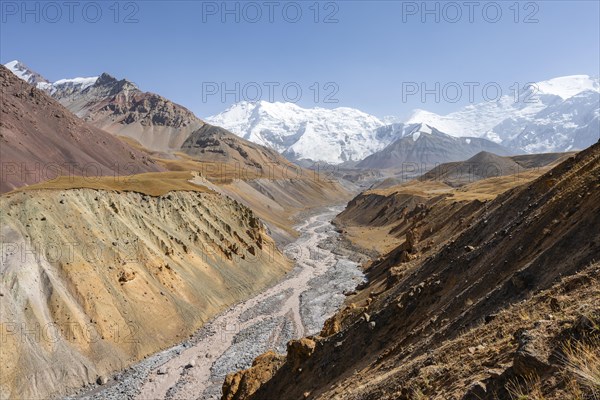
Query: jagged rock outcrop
(121,108)
(244,383)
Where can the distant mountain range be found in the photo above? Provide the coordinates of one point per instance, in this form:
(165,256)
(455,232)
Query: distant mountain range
(557,115)
(424,147)
(318,134)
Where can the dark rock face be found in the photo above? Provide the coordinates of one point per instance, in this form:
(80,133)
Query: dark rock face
(429,149)
(531,357)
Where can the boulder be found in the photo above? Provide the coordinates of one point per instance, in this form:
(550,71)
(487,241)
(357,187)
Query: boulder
(331,327)
(532,355)
(298,351)
(243,384)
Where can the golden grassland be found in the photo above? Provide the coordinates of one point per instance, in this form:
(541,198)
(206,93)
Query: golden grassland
(488,189)
(152,183)
(485,189)
(378,238)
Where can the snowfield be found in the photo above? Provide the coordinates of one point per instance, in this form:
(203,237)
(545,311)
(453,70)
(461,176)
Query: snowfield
(550,116)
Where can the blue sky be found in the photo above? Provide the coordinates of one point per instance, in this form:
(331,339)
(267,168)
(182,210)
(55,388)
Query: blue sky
(362,54)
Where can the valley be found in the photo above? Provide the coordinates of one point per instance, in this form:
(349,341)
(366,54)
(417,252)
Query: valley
(183,256)
(487,286)
(296,306)
(281,251)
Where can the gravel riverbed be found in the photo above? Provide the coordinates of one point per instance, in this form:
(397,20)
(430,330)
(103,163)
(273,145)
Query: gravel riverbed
(297,306)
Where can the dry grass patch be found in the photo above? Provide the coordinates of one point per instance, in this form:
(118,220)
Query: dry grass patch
(485,189)
(582,362)
(529,389)
(152,184)
(488,189)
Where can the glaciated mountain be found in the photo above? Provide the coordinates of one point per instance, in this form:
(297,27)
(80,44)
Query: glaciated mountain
(390,133)
(23,72)
(571,124)
(423,147)
(318,134)
(542,117)
(533,109)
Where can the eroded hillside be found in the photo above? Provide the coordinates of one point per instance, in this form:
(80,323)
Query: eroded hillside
(94,280)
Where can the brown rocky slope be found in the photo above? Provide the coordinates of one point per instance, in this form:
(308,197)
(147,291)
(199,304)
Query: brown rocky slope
(41,140)
(490,314)
(121,108)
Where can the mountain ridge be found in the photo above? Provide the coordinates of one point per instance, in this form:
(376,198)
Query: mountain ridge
(425,146)
(541,117)
(38,132)
(284,126)
(120,107)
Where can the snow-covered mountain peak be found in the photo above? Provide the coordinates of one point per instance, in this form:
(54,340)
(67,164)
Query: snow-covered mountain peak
(418,115)
(504,119)
(33,78)
(80,83)
(419,129)
(289,110)
(568,86)
(25,73)
(320,134)
(346,134)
